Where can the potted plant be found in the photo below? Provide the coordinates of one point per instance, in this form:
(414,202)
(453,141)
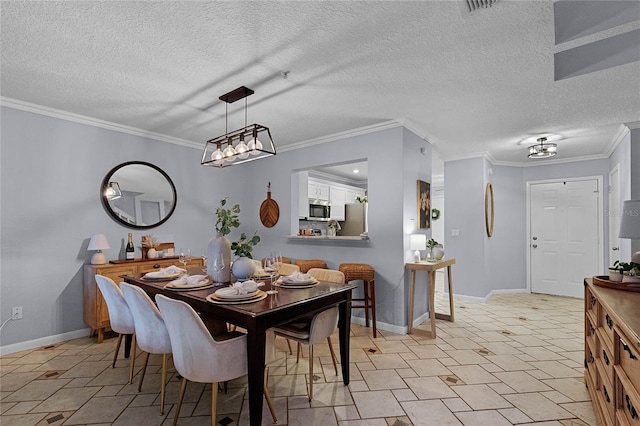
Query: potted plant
(243,267)
(615,272)
(436,251)
(630,271)
(227,218)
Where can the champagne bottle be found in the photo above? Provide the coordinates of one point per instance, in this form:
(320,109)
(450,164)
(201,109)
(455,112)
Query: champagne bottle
(130,251)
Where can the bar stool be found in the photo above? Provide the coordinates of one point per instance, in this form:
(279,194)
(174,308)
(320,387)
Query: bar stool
(306,264)
(365,273)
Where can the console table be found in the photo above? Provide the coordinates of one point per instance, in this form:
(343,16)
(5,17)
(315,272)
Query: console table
(96,313)
(430,269)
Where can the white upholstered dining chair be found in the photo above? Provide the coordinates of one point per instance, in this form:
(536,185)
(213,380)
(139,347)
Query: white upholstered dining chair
(200,358)
(314,328)
(151,332)
(120,317)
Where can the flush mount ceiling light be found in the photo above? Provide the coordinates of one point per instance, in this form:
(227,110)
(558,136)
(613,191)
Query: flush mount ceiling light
(221,152)
(542,149)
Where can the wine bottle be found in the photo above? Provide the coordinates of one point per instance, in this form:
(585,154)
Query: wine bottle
(130,251)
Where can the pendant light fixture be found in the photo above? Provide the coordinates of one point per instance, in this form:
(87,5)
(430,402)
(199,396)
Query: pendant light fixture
(542,149)
(221,152)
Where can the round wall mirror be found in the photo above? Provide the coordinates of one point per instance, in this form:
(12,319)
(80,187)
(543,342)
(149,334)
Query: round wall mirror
(138,195)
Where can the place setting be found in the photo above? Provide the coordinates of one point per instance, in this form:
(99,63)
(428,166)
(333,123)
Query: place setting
(238,293)
(165,274)
(296,280)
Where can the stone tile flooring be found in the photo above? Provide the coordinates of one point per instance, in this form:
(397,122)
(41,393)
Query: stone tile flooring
(515,360)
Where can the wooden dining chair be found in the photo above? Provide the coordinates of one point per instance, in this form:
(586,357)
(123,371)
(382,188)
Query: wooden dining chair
(314,328)
(200,358)
(120,317)
(151,331)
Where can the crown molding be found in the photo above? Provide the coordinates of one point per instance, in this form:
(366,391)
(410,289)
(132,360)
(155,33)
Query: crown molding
(89,121)
(633,125)
(484,155)
(622,132)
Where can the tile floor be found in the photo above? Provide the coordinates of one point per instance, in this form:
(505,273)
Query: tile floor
(515,360)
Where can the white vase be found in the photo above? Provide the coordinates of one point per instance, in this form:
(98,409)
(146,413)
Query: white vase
(152,253)
(243,268)
(615,276)
(219,244)
(435,254)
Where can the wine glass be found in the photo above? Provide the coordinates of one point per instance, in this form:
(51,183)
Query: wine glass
(185,257)
(217,264)
(203,255)
(270,267)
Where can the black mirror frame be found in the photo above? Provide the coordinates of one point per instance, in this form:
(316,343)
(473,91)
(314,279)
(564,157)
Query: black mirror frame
(114,216)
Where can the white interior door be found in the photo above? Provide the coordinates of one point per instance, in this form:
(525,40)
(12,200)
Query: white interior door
(564,236)
(614,215)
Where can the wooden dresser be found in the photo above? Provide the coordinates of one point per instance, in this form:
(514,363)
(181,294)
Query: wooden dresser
(612,353)
(96,314)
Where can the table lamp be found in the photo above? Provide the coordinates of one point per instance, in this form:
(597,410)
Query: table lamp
(417,242)
(630,224)
(98,242)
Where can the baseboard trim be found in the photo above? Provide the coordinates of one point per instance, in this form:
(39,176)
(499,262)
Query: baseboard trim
(43,341)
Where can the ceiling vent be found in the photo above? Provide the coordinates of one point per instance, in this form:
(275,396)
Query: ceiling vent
(474,5)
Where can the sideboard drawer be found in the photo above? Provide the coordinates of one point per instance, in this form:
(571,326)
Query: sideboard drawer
(629,361)
(591,324)
(628,402)
(606,323)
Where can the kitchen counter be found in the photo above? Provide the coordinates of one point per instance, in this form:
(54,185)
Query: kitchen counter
(325,238)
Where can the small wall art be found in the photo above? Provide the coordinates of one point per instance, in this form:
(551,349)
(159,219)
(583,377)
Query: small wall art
(424,204)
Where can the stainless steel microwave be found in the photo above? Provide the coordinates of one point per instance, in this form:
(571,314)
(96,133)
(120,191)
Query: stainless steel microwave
(319,209)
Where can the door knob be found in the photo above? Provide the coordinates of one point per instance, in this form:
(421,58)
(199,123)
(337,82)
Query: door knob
(615,248)
(535,246)
(535,238)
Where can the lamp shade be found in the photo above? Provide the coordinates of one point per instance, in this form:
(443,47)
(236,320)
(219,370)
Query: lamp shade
(98,242)
(630,223)
(417,242)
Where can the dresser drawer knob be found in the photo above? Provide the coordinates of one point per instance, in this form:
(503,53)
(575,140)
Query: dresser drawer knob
(628,349)
(606,394)
(605,357)
(593,301)
(609,321)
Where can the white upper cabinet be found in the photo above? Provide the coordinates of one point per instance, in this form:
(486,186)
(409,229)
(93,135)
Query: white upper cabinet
(318,190)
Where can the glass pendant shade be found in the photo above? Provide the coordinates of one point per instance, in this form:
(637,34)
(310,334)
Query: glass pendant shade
(113,191)
(229,152)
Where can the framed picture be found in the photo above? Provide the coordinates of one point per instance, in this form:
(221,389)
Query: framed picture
(424,205)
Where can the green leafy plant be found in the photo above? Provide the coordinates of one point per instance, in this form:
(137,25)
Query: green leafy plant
(227,218)
(244,246)
(435,214)
(631,268)
(360,199)
(431,243)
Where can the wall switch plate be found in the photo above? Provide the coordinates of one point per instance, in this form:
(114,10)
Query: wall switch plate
(455,232)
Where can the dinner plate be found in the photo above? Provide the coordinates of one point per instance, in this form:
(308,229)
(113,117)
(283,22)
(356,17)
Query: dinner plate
(206,283)
(296,283)
(257,297)
(236,296)
(307,285)
(162,278)
(183,288)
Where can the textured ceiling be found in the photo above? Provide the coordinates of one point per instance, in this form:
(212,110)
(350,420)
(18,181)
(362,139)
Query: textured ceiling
(468,82)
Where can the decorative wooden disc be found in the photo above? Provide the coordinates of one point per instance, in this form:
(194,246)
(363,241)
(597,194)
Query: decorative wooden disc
(269,210)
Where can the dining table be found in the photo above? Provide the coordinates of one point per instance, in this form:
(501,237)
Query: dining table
(257,317)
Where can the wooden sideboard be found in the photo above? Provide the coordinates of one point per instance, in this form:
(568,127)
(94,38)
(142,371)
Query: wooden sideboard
(612,353)
(96,313)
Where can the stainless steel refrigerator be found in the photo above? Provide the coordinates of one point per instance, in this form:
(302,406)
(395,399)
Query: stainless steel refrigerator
(355,219)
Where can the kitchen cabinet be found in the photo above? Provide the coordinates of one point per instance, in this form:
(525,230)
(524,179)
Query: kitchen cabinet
(96,313)
(352,193)
(337,195)
(318,190)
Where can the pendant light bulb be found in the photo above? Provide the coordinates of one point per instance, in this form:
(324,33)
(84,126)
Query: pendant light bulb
(242,149)
(255,144)
(229,152)
(217,156)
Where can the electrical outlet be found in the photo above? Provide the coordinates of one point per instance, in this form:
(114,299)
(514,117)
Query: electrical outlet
(16,312)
